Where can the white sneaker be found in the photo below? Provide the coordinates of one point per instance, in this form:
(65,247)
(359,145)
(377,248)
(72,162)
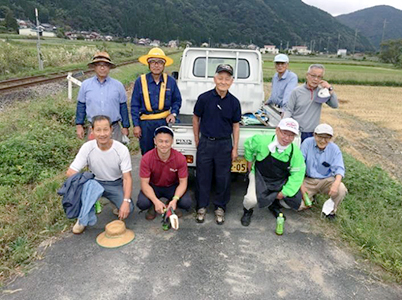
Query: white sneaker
(78,228)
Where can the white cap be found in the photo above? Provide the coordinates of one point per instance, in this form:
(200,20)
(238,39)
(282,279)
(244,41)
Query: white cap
(323,96)
(324,129)
(289,124)
(281,58)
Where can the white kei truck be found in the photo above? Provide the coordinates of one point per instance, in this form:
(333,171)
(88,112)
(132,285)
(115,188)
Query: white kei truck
(195,77)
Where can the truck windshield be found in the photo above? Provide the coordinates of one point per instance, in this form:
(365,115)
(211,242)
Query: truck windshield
(199,69)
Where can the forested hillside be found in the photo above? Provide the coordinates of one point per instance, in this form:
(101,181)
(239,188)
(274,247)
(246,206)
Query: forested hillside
(241,21)
(370,22)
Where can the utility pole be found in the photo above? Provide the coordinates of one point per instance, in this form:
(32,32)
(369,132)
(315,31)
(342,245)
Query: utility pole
(354,43)
(38,42)
(383,33)
(328,45)
(339,38)
(287,45)
(280,46)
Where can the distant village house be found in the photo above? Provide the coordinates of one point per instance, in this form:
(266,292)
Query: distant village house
(270,49)
(301,50)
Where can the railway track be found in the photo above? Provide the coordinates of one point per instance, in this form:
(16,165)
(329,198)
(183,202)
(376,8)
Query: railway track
(18,83)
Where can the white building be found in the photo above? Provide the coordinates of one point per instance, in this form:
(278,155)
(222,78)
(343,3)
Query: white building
(271,49)
(342,52)
(302,50)
(32,32)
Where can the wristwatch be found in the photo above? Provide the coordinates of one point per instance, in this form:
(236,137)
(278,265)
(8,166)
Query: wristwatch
(127,200)
(174,115)
(330,89)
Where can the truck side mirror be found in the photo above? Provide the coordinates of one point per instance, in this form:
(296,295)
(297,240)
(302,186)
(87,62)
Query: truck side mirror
(175,75)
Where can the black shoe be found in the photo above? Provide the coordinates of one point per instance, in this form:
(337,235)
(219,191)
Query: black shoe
(246,219)
(275,208)
(331,217)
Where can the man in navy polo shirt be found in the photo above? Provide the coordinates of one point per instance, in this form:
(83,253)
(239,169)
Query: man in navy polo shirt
(217,114)
(163,174)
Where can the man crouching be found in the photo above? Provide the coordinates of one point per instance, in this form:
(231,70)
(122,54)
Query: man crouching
(277,171)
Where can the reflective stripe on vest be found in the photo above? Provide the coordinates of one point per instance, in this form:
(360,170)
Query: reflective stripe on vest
(145,92)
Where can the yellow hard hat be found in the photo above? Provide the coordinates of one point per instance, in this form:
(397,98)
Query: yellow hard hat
(155,53)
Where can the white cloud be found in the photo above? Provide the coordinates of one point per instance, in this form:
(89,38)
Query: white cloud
(338,7)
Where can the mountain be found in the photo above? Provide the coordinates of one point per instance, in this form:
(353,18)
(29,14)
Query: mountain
(370,22)
(240,21)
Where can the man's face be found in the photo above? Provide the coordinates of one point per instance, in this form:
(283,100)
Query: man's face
(281,67)
(156,65)
(223,81)
(285,137)
(102,131)
(163,142)
(322,140)
(102,69)
(314,77)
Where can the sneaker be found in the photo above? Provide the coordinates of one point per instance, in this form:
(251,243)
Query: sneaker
(116,211)
(78,228)
(246,219)
(151,213)
(219,216)
(275,209)
(201,215)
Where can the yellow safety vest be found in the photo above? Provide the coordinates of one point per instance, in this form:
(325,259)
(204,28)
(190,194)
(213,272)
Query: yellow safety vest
(147,101)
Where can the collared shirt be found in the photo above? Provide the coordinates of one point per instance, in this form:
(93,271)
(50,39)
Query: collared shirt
(217,114)
(304,109)
(322,163)
(172,98)
(107,98)
(282,88)
(256,149)
(163,173)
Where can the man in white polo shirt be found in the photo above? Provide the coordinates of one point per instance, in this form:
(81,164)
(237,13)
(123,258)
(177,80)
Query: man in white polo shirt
(110,162)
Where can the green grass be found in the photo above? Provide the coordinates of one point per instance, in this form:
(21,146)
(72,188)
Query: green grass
(370,216)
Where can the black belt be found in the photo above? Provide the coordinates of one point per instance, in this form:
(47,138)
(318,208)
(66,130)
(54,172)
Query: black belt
(217,138)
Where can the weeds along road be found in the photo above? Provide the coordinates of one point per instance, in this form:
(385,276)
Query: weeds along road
(201,261)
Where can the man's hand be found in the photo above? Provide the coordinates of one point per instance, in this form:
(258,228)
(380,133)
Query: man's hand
(137,131)
(124,210)
(303,190)
(325,84)
(124,131)
(249,166)
(159,207)
(172,204)
(234,154)
(80,131)
(333,191)
(280,196)
(170,119)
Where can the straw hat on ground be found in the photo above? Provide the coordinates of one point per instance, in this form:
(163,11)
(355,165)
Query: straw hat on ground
(101,57)
(155,53)
(115,235)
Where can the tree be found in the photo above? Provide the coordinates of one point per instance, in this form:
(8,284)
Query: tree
(11,22)
(392,52)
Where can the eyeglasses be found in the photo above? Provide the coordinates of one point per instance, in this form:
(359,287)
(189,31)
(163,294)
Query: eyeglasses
(287,133)
(323,138)
(156,62)
(315,76)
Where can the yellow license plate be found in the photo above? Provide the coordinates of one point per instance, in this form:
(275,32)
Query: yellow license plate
(239,166)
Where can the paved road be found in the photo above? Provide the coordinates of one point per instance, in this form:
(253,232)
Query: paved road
(201,261)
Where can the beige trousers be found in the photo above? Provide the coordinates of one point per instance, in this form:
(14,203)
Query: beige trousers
(322,186)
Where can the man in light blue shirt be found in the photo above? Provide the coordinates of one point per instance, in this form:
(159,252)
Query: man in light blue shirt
(283,82)
(324,166)
(102,95)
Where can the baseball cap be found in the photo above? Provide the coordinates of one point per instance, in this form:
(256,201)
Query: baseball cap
(281,58)
(324,129)
(323,96)
(224,68)
(163,129)
(289,124)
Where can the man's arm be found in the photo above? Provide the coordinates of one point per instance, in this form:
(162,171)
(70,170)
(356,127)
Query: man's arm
(70,172)
(297,174)
(290,106)
(148,191)
(236,134)
(135,108)
(176,98)
(124,209)
(196,129)
(180,190)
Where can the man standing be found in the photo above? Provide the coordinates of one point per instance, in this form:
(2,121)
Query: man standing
(283,82)
(277,171)
(217,114)
(306,101)
(163,173)
(156,99)
(110,162)
(102,95)
(325,168)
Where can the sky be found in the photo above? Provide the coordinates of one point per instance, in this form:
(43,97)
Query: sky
(339,7)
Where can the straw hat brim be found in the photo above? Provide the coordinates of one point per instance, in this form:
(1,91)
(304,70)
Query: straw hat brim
(92,63)
(144,59)
(115,242)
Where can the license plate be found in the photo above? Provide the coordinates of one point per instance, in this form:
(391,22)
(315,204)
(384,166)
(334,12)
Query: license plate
(239,166)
